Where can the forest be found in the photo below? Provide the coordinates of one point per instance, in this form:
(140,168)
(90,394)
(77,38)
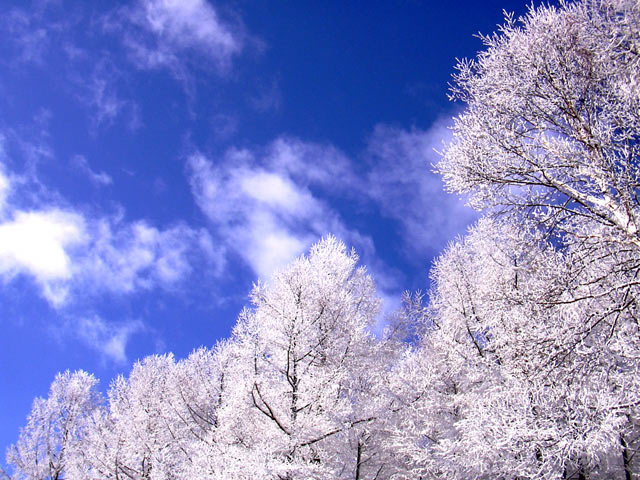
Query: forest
(519,361)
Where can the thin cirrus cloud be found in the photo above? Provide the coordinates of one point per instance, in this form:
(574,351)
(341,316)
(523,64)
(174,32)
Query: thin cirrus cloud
(160,33)
(5,189)
(268,205)
(96,178)
(173,35)
(403,185)
(30,34)
(108,338)
(263,205)
(100,94)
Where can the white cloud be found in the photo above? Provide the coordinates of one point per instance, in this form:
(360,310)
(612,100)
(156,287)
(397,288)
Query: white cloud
(158,34)
(189,23)
(67,252)
(97,178)
(262,207)
(5,186)
(38,243)
(268,243)
(405,188)
(126,257)
(274,191)
(107,338)
(314,164)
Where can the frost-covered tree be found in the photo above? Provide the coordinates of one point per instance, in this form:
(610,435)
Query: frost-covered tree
(523,389)
(312,369)
(52,440)
(552,123)
(549,138)
(160,421)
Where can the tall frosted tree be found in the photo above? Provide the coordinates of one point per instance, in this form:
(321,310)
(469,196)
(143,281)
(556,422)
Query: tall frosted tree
(549,137)
(160,422)
(504,383)
(552,123)
(312,369)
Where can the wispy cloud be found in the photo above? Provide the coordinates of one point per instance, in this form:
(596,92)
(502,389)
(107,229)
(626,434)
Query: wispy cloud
(402,183)
(36,32)
(259,215)
(314,165)
(71,254)
(103,98)
(109,339)
(125,257)
(267,98)
(103,90)
(267,205)
(163,33)
(29,34)
(67,253)
(5,187)
(262,205)
(97,178)
(55,37)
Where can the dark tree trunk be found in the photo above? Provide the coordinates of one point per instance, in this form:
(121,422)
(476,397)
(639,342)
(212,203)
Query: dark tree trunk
(626,459)
(358,460)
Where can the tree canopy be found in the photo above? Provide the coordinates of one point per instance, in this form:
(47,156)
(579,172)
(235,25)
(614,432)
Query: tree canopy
(522,360)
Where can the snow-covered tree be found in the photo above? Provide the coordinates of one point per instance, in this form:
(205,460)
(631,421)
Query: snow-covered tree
(160,421)
(529,390)
(53,438)
(312,369)
(549,138)
(552,123)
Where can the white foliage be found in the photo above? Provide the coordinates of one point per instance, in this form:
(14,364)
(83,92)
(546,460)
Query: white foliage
(524,364)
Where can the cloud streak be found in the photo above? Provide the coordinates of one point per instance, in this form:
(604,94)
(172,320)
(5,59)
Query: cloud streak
(164,33)
(401,182)
(269,204)
(264,206)
(97,178)
(108,339)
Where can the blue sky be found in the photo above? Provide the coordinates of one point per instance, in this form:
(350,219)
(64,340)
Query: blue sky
(159,156)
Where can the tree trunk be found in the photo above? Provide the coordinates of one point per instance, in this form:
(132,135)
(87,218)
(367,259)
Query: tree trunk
(358,460)
(626,459)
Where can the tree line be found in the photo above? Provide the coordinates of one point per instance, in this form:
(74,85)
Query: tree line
(522,359)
